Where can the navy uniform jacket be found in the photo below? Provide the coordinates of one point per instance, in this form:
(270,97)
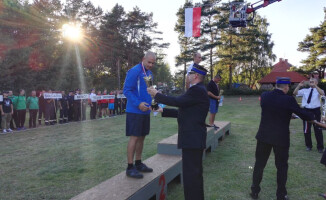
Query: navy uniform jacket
(277,109)
(193,107)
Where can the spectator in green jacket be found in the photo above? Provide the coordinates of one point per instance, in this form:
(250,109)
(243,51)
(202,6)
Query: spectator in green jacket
(14,118)
(21,110)
(33,107)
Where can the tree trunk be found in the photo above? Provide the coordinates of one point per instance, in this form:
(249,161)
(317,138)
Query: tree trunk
(230,66)
(250,73)
(118,73)
(211,62)
(185,66)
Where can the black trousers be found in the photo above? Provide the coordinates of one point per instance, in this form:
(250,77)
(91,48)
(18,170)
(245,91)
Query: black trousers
(77,112)
(71,113)
(21,118)
(263,151)
(41,114)
(99,110)
(32,118)
(192,171)
(63,115)
(317,129)
(323,158)
(93,110)
(83,109)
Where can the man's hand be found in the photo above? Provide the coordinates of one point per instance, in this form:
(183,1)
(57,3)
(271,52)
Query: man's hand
(152,91)
(143,106)
(301,84)
(218,97)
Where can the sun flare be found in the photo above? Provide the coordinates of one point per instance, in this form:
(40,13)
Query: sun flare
(72,32)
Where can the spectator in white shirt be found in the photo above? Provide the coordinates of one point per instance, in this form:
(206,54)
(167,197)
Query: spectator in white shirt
(93,103)
(311,102)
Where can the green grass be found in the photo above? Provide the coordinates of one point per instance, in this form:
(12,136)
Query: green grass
(59,162)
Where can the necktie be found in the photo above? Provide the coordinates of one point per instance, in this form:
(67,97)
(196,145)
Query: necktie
(310,94)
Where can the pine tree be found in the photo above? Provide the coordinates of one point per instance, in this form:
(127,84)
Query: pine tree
(315,45)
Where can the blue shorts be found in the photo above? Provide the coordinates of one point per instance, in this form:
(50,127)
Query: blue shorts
(137,124)
(111,106)
(213,106)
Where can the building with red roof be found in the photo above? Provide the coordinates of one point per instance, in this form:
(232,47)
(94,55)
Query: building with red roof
(281,69)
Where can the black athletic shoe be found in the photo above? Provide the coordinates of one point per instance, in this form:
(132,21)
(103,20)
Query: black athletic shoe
(308,149)
(254,195)
(320,150)
(286,197)
(134,173)
(216,127)
(143,168)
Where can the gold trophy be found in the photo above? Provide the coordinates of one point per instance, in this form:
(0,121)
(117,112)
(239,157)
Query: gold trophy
(149,82)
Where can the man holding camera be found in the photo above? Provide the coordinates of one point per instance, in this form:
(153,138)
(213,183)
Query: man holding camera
(311,103)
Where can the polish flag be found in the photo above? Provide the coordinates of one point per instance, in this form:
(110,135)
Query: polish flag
(192,22)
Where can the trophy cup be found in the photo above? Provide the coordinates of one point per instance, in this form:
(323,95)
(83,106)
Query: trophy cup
(149,82)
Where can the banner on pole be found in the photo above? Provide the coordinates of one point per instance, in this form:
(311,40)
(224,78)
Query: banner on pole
(107,97)
(121,96)
(52,96)
(192,22)
(81,96)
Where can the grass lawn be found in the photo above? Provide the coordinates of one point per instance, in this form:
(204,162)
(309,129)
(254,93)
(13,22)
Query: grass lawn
(59,162)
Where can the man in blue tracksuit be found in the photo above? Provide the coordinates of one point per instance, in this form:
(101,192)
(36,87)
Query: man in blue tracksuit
(138,113)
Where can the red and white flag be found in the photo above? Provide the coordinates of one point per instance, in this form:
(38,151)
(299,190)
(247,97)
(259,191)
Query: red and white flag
(192,22)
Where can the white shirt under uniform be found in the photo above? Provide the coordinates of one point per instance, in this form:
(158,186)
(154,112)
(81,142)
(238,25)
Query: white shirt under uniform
(92,96)
(315,98)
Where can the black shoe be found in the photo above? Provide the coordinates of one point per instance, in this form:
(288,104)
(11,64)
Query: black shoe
(286,197)
(308,149)
(143,168)
(320,151)
(215,127)
(254,195)
(323,195)
(133,173)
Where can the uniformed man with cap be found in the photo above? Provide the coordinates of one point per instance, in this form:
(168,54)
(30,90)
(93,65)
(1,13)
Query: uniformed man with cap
(193,108)
(273,133)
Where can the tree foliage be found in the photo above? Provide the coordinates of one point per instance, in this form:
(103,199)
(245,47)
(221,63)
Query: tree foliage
(35,55)
(239,54)
(315,45)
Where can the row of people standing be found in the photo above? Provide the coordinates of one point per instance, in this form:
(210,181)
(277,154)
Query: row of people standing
(47,109)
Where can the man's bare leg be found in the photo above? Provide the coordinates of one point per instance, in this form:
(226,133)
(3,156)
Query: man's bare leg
(211,118)
(131,148)
(139,147)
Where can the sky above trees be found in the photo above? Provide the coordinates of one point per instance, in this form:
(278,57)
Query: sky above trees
(289,20)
